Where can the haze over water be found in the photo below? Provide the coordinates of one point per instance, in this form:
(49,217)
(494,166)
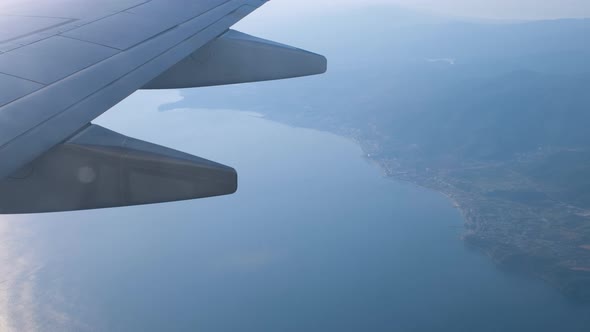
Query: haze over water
(315,240)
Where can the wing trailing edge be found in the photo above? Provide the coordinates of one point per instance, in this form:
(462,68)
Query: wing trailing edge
(98,168)
(236,57)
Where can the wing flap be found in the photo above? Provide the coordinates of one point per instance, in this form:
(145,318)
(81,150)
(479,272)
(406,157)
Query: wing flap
(99,168)
(236,57)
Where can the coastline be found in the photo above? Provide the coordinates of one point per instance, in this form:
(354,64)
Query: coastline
(572,282)
(492,227)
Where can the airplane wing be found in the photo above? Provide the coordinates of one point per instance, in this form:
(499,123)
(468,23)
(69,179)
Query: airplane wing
(65,62)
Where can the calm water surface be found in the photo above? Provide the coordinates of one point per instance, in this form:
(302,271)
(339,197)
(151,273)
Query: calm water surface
(315,240)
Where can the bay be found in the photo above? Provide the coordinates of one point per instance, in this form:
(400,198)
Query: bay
(316,239)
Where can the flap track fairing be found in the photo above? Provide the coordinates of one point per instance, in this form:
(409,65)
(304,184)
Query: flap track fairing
(236,57)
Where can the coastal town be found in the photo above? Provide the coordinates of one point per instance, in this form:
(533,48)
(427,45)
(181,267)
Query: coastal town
(510,219)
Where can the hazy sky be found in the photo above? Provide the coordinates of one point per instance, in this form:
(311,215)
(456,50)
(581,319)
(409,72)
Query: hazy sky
(506,9)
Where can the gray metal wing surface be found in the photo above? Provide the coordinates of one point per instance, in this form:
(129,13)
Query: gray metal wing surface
(65,62)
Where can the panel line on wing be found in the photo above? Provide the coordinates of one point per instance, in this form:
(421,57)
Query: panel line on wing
(23,78)
(91,42)
(29,134)
(45,28)
(124,76)
(145,28)
(69,37)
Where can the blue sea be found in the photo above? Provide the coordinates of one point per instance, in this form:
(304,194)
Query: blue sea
(316,239)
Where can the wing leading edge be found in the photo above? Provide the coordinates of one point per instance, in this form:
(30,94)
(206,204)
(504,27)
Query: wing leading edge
(72,69)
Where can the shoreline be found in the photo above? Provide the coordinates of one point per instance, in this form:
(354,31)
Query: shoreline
(573,283)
